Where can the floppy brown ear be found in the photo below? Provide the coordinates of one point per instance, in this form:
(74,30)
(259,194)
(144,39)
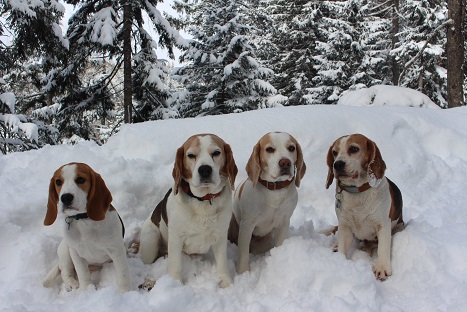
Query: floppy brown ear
(376,164)
(52,203)
(253,166)
(178,168)
(99,198)
(301,166)
(230,168)
(330,163)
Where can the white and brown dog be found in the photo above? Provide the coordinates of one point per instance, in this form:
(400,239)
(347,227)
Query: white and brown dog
(368,205)
(195,214)
(93,230)
(264,203)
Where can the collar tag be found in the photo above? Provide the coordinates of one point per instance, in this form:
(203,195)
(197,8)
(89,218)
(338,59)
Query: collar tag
(79,216)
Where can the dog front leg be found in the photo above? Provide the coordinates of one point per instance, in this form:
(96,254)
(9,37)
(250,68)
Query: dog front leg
(244,239)
(175,249)
(220,254)
(67,269)
(82,270)
(282,233)
(382,268)
(120,260)
(344,239)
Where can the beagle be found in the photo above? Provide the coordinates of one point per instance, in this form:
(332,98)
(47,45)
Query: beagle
(195,213)
(368,205)
(93,230)
(265,201)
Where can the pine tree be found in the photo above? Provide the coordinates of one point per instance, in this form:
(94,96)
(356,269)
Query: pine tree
(291,47)
(97,30)
(27,64)
(455,53)
(337,51)
(372,21)
(421,49)
(223,74)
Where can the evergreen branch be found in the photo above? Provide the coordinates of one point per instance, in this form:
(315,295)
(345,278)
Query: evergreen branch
(419,54)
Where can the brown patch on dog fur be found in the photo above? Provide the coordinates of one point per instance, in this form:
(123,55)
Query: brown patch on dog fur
(160,212)
(234,228)
(396,203)
(240,190)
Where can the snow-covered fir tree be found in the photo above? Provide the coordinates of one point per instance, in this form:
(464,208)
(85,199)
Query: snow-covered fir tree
(372,21)
(222,74)
(28,61)
(96,31)
(290,47)
(421,48)
(19,132)
(337,51)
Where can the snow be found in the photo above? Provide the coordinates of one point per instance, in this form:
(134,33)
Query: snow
(380,95)
(104,27)
(26,7)
(425,151)
(14,123)
(9,99)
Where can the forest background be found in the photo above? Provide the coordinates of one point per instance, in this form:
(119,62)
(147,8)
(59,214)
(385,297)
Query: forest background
(107,69)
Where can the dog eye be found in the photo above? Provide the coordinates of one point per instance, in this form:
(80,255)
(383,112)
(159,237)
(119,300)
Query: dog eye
(334,153)
(291,148)
(216,153)
(353,150)
(192,156)
(270,150)
(80,180)
(58,182)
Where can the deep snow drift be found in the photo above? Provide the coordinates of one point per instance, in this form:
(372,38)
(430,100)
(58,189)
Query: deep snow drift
(425,151)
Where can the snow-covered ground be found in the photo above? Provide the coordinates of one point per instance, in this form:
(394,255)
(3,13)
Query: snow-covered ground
(381,95)
(425,151)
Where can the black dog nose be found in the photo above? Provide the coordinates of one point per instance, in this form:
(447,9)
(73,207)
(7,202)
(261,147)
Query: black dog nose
(339,165)
(284,163)
(205,171)
(67,199)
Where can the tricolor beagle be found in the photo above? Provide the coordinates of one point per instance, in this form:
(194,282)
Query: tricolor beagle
(195,214)
(264,203)
(368,205)
(93,230)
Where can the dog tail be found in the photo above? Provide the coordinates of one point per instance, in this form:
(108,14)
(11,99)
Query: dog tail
(51,276)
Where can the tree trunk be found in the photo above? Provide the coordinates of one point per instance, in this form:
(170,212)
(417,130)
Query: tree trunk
(127,82)
(455,53)
(395,40)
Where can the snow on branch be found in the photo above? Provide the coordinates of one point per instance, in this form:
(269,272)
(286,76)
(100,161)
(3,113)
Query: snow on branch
(159,20)
(419,54)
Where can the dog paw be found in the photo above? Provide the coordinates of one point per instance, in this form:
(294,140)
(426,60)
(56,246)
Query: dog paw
(382,272)
(71,284)
(225,281)
(133,250)
(335,248)
(148,284)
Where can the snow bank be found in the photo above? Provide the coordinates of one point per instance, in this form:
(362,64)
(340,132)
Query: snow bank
(381,95)
(426,154)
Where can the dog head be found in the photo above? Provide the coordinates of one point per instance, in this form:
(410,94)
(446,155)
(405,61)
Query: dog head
(76,188)
(205,161)
(276,157)
(354,160)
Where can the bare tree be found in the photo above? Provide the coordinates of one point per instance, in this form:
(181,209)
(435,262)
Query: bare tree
(395,41)
(127,80)
(455,53)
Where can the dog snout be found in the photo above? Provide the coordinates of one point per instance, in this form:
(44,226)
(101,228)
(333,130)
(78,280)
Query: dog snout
(205,171)
(67,199)
(339,165)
